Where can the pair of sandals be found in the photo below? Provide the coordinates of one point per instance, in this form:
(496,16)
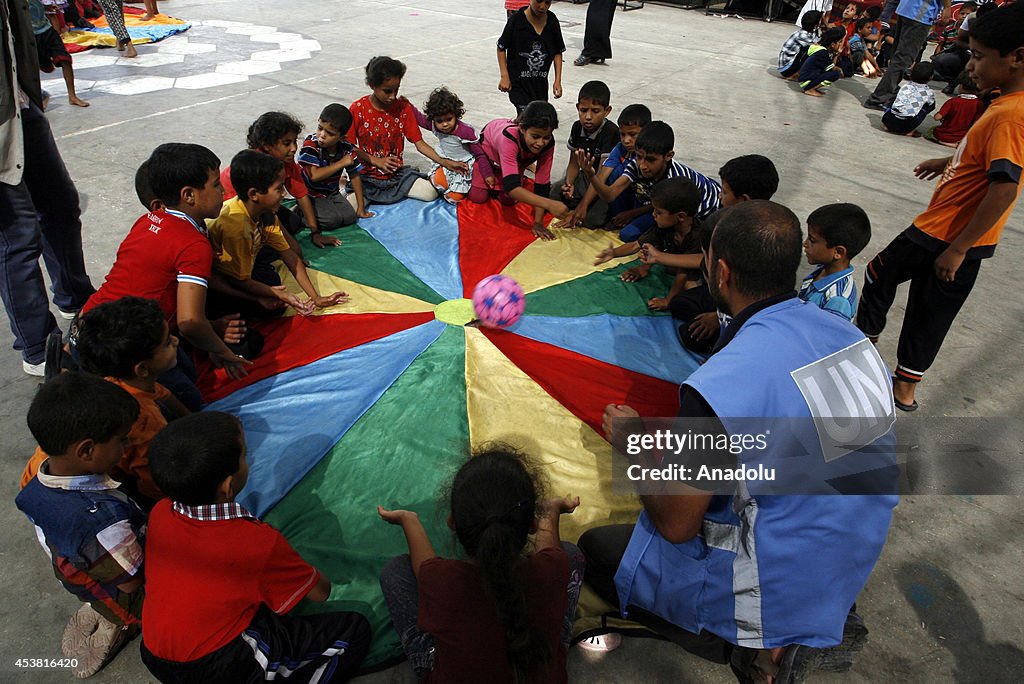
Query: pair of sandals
(584,61)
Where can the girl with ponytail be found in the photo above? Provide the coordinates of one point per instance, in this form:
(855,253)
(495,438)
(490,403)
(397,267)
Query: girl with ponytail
(504,613)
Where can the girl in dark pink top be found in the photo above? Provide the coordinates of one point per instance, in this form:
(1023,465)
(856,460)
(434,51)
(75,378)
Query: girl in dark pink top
(511,145)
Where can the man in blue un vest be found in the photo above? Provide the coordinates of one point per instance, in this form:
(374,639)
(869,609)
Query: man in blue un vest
(764,575)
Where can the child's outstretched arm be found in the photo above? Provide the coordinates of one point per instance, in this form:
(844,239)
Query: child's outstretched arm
(196,328)
(420,548)
(298,269)
(608,193)
(612,252)
(430,153)
(652,255)
(589,196)
(661,303)
(547,523)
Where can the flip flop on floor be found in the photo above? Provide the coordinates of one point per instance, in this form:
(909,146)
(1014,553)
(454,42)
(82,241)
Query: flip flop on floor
(905,407)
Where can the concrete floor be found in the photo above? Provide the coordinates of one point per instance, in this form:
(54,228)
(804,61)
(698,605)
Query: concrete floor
(945,602)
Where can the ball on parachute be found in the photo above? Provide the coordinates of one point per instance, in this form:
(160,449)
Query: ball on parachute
(498,301)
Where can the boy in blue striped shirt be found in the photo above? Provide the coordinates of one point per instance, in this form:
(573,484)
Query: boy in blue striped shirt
(836,233)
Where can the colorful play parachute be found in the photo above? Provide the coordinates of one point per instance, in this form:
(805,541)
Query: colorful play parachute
(380,400)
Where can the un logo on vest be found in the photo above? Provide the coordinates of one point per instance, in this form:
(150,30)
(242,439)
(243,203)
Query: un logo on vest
(850,398)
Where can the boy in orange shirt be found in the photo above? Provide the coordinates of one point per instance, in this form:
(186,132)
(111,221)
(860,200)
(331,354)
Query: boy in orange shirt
(941,252)
(128,343)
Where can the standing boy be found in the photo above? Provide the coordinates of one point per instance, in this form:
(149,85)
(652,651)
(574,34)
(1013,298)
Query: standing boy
(941,252)
(652,164)
(529,45)
(594,135)
(631,121)
(220,582)
(326,158)
(836,233)
(91,531)
(247,238)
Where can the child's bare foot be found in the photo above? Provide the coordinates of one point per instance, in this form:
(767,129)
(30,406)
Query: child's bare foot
(813,92)
(77,101)
(46,100)
(129,51)
(120,47)
(147,16)
(913,134)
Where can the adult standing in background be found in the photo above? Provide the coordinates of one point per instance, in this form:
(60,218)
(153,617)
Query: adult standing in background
(39,210)
(597,38)
(914,19)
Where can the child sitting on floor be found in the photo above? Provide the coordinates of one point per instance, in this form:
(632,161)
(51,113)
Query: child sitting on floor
(836,233)
(912,104)
(957,114)
(381,123)
(326,159)
(592,133)
(442,113)
(860,56)
(819,69)
(748,177)
(675,202)
(511,145)
(631,121)
(247,238)
(504,614)
(277,134)
(129,343)
(794,50)
(219,582)
(652,164)
(92,532)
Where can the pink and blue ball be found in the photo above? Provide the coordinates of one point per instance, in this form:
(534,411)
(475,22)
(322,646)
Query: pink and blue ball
(498,301)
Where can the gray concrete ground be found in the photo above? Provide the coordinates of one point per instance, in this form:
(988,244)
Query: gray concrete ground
(945,602)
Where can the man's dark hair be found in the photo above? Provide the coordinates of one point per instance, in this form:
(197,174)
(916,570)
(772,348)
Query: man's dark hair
(595,91)
(114,337)
(192,455)
(380,69)
(252,169)
(634,115)
(762,243)
(832,35)
(443,102)
(337,117)
(753,175)
(656,137)
(811,20)
(676,195)
(74,406)
(270,128)
(538,114)
(922,72)
(1001,29)
(842,224)
(143,189)
(174,166)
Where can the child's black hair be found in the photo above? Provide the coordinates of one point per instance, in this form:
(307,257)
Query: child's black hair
(268,130)
(192,455)
(596,91)
(634,115)
(253,170)
(114,337)
(494,499)
(538,114)
(862,22)
(656,137)
(380,69)
(74,406)
(676,195)
(832,35)
(810,20)
(984,9)
(922,72)
(174,166)
(143,188)
(1001,29)
(441,102)
(753,175)
(967,84)
(337,117)
(873,12)
(842,224)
